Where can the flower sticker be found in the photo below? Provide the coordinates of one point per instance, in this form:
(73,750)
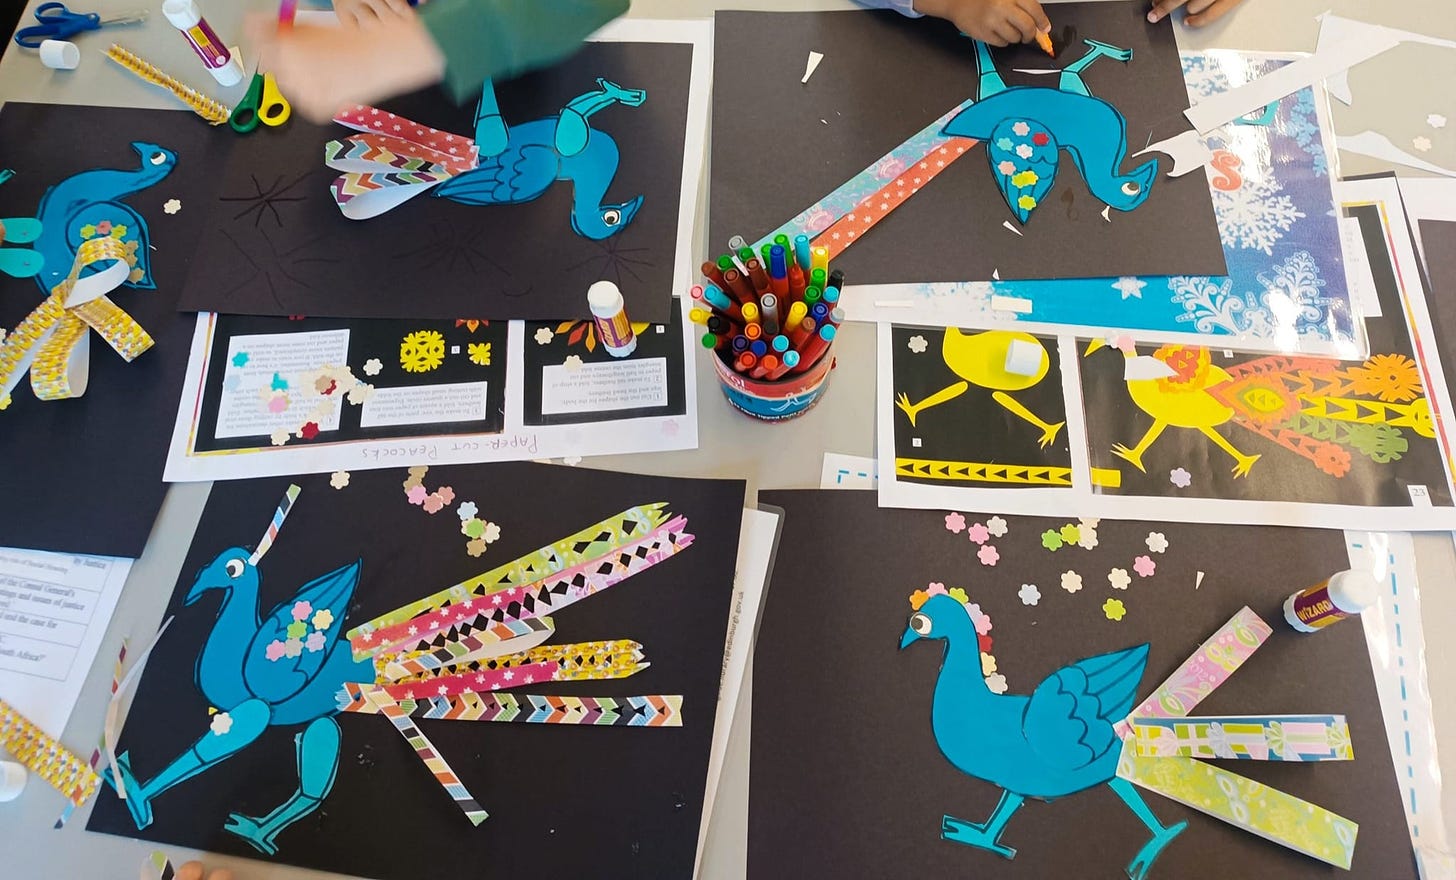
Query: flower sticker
(323,618)
(172,206)
(1114,609)
(1071,581)
(978,533)
(293,647)
(1119,578)
(373,366)
(1021,129)
(918,599)
(475,548)
(997,527)
(1157,542)
(1051,540)
(544,336)
(1024,151)
(479,353)
(1070,534)
(466,510)
(1007,167)
(1436,120)
(433,503)
(572,362)
(297,630)
(1422,143)
(314,643)
(339,479)
(222,722)
(274,651)
(301,610)
(1029,594)
(980,619)
(417,494)
(240,359)
(988,555)
(1087,537)
(279,437)
(918,344)
(988,664)
(473,528)
(955,523)
(996,683)
(1144,566)
(1180,477)
(491,533)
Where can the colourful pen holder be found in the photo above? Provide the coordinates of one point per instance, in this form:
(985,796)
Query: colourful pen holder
(785,398)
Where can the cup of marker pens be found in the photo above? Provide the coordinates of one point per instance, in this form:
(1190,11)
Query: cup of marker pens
(770,319)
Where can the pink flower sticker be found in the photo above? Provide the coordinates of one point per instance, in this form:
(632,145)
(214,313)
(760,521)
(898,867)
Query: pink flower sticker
(433,503)
(416,494)
(978,533)
(1144,566)
(314,642)
(274,651)
(301,610)
(980,619)
(988,555)
(446,494)
(955,523)
(936,589)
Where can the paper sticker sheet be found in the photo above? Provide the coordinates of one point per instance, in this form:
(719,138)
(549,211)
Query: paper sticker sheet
(269,396)
(1273,439)
(1285,289)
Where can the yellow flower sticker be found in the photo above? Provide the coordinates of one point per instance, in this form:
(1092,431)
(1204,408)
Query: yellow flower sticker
(479,353)
(1114,609)
(422,351)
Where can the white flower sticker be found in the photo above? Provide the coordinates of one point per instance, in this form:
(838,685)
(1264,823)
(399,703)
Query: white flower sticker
(1157,542)
(1071,581)
(222,722)
(373,366)
(544,336)
(918,344)
(339,479)
(997,527)
(1029,594)
(1119,578)
(572,362)
(280,437)
(1087,537)
(1436,120)
(1024,151)
(1422,143)
(172,206)
(996,683)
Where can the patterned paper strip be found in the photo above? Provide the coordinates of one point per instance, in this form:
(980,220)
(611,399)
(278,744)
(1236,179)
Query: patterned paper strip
(649,711)
(100,740)
(45,757)
(576,661)
(550,594)
(377,152)
(436,763)
(373,120)
(1244,803)
(1216,659)
(590,543)
(878,205)
(506,637)
(579,662)
(984,472)
(826,212)
(1245,737)
(279,515)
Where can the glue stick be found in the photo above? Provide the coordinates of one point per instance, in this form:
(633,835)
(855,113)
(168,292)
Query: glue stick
(609,311)
(184,15)
(1345,594)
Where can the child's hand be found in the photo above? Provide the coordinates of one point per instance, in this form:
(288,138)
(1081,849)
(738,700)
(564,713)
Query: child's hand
(320,69)
(364,13)
(194,871)
(1199,13)
(995,22)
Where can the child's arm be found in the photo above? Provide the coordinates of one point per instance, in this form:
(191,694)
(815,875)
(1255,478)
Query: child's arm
(1199,13)
(997,22)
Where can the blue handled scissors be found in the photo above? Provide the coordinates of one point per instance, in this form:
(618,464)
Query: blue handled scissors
(59,23)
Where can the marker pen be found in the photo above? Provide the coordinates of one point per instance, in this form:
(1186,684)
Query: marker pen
(789,360)
(769,308)
(815,348)
(778,271)
(765,364)
(802,256)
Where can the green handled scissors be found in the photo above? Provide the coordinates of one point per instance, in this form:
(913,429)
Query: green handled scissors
(262,103)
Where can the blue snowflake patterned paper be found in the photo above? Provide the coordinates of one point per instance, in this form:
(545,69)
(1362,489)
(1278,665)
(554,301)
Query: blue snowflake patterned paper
(1286,288)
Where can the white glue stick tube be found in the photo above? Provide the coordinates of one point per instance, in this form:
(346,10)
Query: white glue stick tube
(184,15)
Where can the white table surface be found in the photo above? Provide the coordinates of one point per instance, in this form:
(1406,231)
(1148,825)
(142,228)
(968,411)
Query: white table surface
(1393,95)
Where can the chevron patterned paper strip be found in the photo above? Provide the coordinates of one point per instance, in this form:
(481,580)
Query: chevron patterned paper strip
(580,662)
(359,155)
(590,543)
(1245,737)
(547,596)
(983,472)
(1256,808)
(436,763)
(362,196)
(648,711)
(1216,659)
(506,637)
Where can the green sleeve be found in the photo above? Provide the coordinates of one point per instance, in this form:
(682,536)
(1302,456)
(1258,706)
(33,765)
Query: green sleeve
(503,38)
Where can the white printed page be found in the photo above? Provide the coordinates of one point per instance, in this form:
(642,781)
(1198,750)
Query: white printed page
(425,405)
(604,387)
(263,383)
(54,609)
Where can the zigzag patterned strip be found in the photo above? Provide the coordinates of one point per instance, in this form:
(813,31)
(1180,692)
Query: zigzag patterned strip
(983,472)
(398,716)
(588,544)
(546,596)
(650,711)
(493,641)
(589,661)
(1297,443)
(348,152)
(571,657)
(347,187)
(1415,415)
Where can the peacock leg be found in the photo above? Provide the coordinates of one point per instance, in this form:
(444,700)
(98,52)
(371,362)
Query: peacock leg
(1242,462)
(1141,863)
(491,134)
(991,82)
(942,396)
(572,130)
(318,766)
(1048,430)
(987,835)
(1072,74)
(1135,454)
(249,719)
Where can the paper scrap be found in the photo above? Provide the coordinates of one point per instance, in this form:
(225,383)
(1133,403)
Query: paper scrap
(1008,225)
(429,755)
(1245,737)
(814,59)
(1436,120)
(1014,304)
(1378,146)
(1187,150)
(1243,803)
(1422,143)
(1210,666)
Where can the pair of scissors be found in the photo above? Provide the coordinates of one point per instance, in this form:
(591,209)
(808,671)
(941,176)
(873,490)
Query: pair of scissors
(59,23)
(262,103)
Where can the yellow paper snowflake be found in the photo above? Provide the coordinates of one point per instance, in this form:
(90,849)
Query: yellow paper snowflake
(422,351)
(479,353)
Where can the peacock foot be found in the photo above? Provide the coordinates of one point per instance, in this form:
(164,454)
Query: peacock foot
(902,401)
(1132,456)
(1141,863)
(1245,462)
(626,97)
(972,834)
(1049,435)
(136,803)
(253,831)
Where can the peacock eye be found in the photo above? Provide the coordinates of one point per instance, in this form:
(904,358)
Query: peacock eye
(612,217)
(921,624)
(158,158)
(235,568)
(1131,188)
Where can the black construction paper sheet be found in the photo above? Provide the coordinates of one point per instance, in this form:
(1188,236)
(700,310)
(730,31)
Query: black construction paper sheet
(848,778)
(780,146)
(564,800)
(973,420)
(1333,432)
(277,244)
(1438,238)
(84,475)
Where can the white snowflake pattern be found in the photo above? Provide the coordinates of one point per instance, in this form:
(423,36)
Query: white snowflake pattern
(1255,216)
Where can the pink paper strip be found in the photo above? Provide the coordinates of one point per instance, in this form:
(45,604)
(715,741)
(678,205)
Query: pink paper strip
(482,681)
(372,119)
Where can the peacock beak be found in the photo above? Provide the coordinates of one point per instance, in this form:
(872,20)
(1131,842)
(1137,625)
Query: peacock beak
(1093,345)
(909,637)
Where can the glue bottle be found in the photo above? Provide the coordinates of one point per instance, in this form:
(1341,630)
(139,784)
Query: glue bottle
(609,311)
(224,66)
(1345,594)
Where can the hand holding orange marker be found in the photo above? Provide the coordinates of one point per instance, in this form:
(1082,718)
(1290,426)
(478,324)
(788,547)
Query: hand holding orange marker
(1044,40)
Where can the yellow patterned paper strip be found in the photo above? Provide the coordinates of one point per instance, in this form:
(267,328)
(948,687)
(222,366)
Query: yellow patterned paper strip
(45,757)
